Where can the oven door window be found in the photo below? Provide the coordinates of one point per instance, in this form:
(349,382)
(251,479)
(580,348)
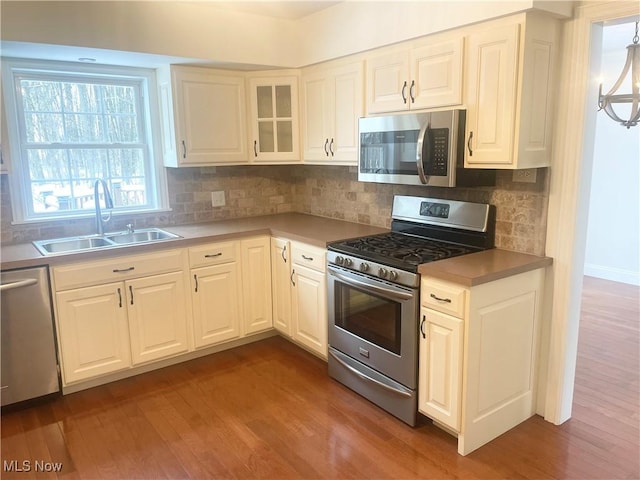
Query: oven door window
(370,317)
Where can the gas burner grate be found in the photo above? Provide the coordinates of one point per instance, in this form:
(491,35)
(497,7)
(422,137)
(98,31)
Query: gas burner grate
(405,248)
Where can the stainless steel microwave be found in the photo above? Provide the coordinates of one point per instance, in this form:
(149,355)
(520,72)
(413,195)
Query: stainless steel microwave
(425,148)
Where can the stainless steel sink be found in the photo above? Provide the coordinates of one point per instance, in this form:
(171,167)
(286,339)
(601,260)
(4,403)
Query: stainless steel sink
(70,244)
(109,240)
(141,236)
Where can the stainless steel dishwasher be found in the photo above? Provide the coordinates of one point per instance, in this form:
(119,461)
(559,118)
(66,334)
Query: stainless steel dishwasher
(29,366)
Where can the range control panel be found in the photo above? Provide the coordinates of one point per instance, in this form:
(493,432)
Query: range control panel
(432,209)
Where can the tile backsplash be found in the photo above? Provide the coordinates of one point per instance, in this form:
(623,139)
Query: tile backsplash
(327,191)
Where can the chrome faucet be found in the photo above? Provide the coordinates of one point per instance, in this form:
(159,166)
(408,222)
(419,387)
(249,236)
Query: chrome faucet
(108,204)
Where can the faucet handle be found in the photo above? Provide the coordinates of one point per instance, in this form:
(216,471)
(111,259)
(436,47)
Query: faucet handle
(129,227)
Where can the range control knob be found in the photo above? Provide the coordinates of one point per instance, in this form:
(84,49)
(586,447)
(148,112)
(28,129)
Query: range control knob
(348,262)
(382,273)
(393,275)
(364,267)
(339,260)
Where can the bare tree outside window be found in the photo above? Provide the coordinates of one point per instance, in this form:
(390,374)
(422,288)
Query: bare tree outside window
(75,128)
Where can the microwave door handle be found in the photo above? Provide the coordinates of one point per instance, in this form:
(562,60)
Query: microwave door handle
(424,145)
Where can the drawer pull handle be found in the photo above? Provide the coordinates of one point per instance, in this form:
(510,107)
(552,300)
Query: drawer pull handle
(213,255)
(307,258)
(435,297)
(122,270)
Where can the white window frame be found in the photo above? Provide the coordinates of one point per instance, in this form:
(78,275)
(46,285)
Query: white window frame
(18,178)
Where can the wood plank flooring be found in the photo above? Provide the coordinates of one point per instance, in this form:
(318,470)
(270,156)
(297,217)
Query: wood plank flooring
(268,410)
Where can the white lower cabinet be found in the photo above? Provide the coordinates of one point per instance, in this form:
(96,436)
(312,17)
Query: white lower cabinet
(440,374)
(281,285)
(256,284)
(309,297)
(93,331)
(111,326)
(478,370)
(128,311)
(231,289)
(157,316)
(216,303)
(299,290)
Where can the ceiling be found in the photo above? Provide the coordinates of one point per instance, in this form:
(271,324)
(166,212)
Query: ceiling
(289,9)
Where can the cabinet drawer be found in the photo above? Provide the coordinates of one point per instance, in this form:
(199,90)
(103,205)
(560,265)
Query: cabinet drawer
(212,254)
(309,256)
(444,297)
(117,268)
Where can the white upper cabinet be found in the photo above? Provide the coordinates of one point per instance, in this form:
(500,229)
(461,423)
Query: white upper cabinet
(510,75)
(425,75)
(274,119)
(203,116)
(331,103)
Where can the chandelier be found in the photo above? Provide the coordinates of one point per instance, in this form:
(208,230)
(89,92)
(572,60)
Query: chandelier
(606,102)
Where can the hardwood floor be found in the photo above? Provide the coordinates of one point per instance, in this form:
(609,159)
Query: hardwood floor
(269,410)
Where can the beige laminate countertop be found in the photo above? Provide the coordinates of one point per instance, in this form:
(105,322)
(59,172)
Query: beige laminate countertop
(295,226)
(467,270)
(483,267)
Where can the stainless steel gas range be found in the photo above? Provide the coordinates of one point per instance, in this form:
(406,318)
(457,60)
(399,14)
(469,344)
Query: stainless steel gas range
(373,295)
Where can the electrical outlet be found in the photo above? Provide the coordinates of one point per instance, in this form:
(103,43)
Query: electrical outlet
(217,199)
(527,175)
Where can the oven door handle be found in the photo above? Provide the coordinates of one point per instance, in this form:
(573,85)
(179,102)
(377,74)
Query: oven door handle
(367,377)
(382,290)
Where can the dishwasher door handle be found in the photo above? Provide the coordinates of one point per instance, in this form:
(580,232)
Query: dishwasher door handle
(19,284)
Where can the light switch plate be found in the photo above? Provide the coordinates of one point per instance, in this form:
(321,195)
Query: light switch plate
(217,199)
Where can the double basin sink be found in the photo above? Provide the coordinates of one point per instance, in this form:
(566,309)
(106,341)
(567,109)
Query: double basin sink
(108,240)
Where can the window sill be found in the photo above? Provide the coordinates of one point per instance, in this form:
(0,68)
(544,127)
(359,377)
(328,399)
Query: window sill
(91,216)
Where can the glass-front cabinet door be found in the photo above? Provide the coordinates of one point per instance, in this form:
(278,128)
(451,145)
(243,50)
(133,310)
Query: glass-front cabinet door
(274,119)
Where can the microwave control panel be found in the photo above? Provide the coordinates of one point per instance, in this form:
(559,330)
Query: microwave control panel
(437,157)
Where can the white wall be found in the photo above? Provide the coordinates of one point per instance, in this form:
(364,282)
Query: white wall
(613,234)
(203,30)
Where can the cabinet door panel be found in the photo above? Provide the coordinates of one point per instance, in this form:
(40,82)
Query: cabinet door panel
(94,332)
(440,370)
(315,98)
(437,72)
(274,119)
(281,285)
(211,122)
(256,284)
(387,83)
(491,102)
(157,316)
(347,107)
(216,303)
(310,309)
